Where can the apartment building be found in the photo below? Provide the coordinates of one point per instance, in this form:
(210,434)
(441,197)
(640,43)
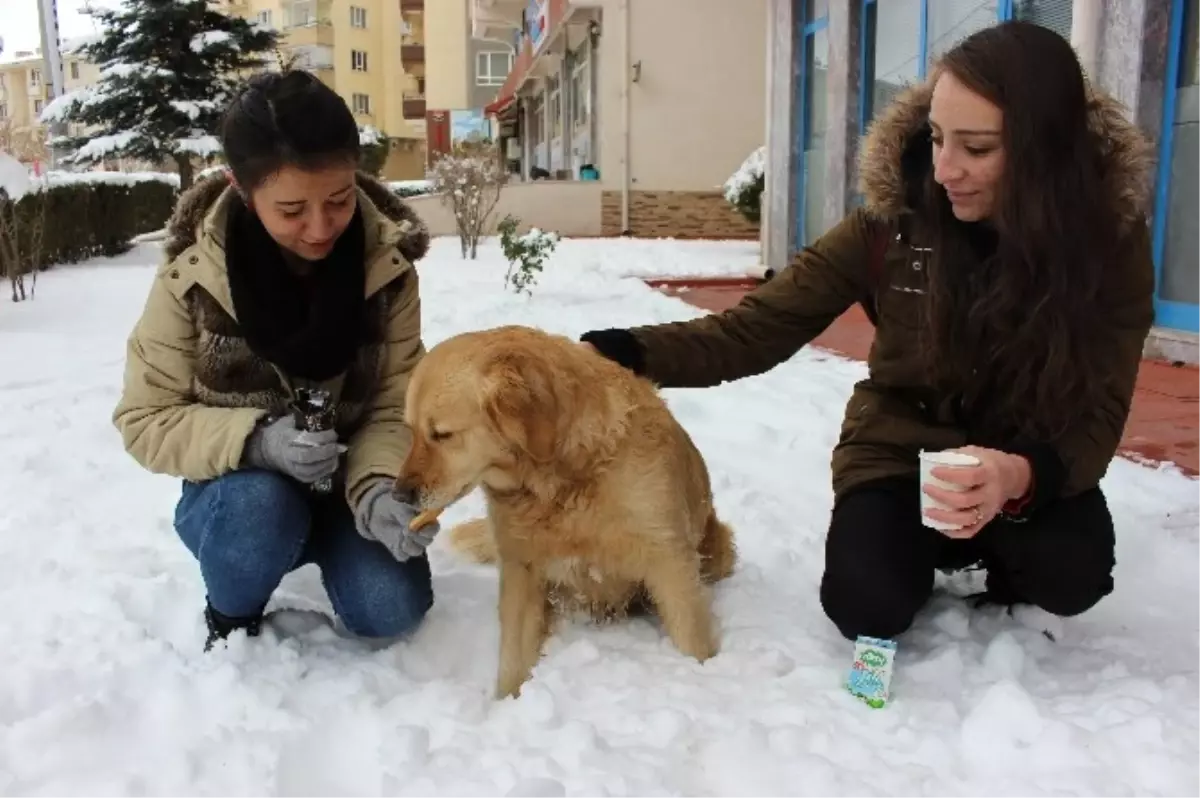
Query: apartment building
(652,103)
(25,90)
(371,52)
(464,72)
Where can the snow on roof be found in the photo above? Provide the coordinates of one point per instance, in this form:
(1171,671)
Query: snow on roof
(68,46)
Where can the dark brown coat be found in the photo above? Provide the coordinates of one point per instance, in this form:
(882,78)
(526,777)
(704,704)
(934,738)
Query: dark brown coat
(893,414)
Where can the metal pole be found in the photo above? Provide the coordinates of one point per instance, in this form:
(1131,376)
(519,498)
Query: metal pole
(52,60)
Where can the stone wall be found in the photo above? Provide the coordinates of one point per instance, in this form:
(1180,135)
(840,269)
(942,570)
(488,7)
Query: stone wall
(675,214)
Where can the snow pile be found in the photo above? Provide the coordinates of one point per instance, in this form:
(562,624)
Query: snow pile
(61,107)
(369,136)
(194,108)
(134,71)
(57,178)
(201,146)
(106,690)
(211,38)
(410,188)
(15,181)
(102,147)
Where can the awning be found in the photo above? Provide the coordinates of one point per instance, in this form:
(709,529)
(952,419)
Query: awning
(499,106)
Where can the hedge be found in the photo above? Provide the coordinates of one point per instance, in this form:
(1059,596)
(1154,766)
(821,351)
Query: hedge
(84,218)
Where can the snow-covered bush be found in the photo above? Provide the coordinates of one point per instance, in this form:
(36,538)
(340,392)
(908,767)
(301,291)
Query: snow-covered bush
(469,180)
(67,217)
(20,234)
(744,187)
(526,254)
(374,153)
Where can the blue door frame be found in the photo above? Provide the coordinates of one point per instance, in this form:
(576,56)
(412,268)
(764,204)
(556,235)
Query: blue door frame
(1168,313)
(805,30)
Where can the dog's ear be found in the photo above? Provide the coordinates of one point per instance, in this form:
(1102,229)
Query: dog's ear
(522,405)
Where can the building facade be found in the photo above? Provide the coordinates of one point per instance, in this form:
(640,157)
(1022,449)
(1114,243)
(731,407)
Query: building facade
(371,52)
(654,102)
(25,90)
(832,64)
(464,73)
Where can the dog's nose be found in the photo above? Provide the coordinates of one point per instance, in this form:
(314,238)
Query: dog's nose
(404,492)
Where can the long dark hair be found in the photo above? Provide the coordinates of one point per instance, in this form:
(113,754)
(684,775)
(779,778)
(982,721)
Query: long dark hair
(1015,338)
(286,118)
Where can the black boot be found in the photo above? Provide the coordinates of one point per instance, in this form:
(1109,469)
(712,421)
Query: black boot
(997,591)
(221,626)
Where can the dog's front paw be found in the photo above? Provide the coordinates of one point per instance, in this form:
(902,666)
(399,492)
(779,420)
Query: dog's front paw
(508,688)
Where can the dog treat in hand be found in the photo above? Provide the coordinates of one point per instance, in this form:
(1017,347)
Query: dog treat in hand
(424,519)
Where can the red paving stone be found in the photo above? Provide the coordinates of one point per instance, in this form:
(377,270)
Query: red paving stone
(1164,424)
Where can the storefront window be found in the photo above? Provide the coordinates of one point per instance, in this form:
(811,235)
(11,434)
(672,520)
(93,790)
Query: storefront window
(893,53)
(903,38)
(948,22)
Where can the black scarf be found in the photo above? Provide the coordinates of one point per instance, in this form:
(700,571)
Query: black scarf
(309,326)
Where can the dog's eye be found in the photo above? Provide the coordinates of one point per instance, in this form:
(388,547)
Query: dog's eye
(439,435)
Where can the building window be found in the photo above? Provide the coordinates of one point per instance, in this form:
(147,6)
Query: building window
(904,37)
(74,70)
(35,77)
(358,60)
(491,69)
(358,17)
(265,19)
(581,87)
(300,13)
(361,103)
(3,111)
(38,105)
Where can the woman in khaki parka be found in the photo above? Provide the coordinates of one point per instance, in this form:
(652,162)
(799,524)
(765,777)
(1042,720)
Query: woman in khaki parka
(293,272)
(1003,253)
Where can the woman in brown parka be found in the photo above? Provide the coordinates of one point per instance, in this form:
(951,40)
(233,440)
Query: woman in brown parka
(294,273)
(1004,255)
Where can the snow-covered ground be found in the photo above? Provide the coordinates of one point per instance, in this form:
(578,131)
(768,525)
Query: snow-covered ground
(104,688)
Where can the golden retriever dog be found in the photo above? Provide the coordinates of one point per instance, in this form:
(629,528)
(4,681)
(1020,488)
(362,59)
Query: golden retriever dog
(597,499)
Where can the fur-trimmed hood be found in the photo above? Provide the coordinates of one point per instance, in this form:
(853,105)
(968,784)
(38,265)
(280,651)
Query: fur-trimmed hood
(187,222)
(888,159)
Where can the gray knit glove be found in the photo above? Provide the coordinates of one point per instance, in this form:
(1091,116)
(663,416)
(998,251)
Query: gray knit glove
(303,456)
(381,516)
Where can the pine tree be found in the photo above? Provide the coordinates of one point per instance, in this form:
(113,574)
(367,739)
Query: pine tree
(168,69)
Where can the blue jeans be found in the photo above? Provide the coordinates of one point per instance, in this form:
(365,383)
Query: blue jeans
(248,529)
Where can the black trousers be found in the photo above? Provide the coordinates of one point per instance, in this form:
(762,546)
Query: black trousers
(880,559)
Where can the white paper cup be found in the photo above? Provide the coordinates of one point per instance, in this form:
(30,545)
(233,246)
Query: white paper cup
(930,461)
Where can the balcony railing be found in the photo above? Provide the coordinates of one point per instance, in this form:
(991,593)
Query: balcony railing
(414,107)
(412,54)
(412,6)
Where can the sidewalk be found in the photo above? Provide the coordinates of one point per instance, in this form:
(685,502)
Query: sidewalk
(1163,425)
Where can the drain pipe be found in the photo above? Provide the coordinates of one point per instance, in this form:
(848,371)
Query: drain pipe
(625,114)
